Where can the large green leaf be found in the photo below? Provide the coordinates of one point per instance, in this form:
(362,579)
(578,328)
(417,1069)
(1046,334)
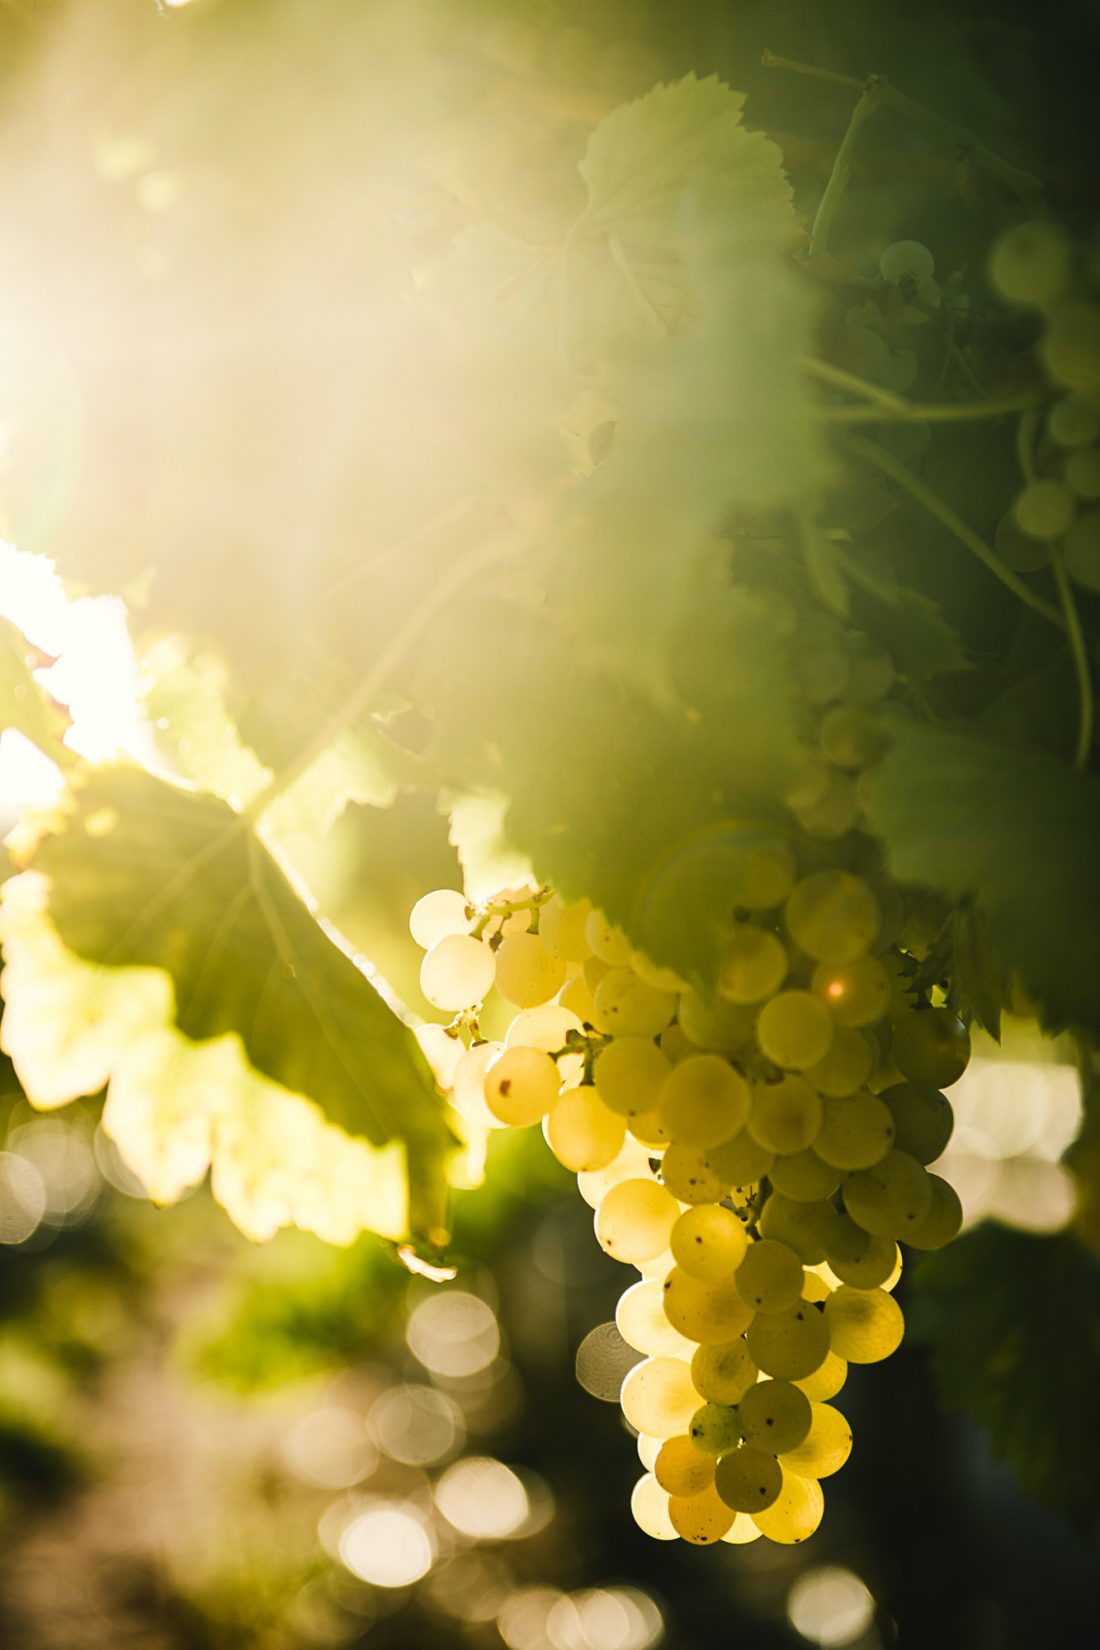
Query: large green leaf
(144,874)
(1015,830)
(1013,1324)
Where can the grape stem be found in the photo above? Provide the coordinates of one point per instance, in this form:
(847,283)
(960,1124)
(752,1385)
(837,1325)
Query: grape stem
(942,511)
(1022,183)
(886,404)
(1079,653)
(870,99)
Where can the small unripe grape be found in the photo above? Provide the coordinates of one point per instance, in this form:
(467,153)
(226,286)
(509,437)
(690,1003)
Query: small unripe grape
(775,1416)
(770,1276)
(923,1119)
(930,1045)
(943,1220)
(715,1429)
(723,1373)
(708,1242)
(1031,264)
(681,1468)
(1045,509)
(748,1480)
(833,916)
(907,261)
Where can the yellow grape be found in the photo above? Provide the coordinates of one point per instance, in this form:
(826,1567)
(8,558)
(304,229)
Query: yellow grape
(826,1446)
(704,1100)
(658,1397)
(723,1372)
(681,1468)
(704,1312)
(521,1085)
(786,1115)
(865,1325)
(700,1519)
(526,973)
(582,1132)
(629,1074)
(748,1480)
(634,1221)
(795,1513)
(649,1509)
(708,1242)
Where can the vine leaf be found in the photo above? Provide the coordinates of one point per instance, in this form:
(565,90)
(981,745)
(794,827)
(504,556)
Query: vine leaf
(980,983)
(1015,830)
(142,874)
(909,624)
(1013,1325)
(24,706)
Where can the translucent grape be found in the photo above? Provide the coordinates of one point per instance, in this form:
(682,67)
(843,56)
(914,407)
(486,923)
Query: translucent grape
(689,1177)
(715,1429)
(545,1027)
(833,916)
(785,1116)
(795,1513)
(775,1416)
(627,1007)
(562,929)
(742,1531)
(705,1312)
(634,1221)
(923,1120)
(770,1276)
(1071,347)
(789,1345)
(856,1133)
(629,1074)
(438,914)
(865,1325)
(804,1177)
(825,1382)
(857,1257)
(582,1132)
(651,973)
(1045,508)
(650,1128)
(681,1468)
(457,972)
(649,1509)
(826,1446)
(748,1480)
(754,965)
(907,261)
(675,1044)
(658,1397)
(930,1045)
(640,1320)
(767,871)
(741,1160)
(857,993)
(632,1163)
(795,1030)
(723,1372)
(1082,472)
(723,1026)
(836,812)
(468,1085)
(851,737)
(943,1220)
(708,1242)
(521,1085)
(700,1519)
(704,1101)
(801,1226)
(606,942)
(1073,422)
(847,1066)
(1083,550)
(1031,264)
(890,1199)
(576,996)
(648,1451)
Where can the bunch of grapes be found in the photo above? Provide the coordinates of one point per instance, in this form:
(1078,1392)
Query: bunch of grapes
(755,1153)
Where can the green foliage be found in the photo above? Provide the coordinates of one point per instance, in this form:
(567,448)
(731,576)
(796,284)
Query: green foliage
(23,705)
(1012,1322)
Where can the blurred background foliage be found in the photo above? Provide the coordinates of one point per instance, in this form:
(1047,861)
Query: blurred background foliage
(206,1443)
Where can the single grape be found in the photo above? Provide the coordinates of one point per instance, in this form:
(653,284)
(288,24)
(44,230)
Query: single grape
(789,1345)
(836,812)
(943,1220)
(705,1312)
(907,261)
(833,916)
(825,1382)
(722,1026)
(520,1086)
(701,1519)
(632,1163)
(1071,347)
(856,1133)
(681,1468)
(627,1007)
(847,1066)
(795,1513)
(851,737)
(704,1100)
(658,1397)
(442,912)
(923,1120)
(795,1030)
(629,1075)
(804,1177)
(742,1531)
(740,1161)
(1031,264)
(708,1242)
(649,1508)
(640,1320)
(634,1221)
(1073,422)
(748,1480)
(754,965)
(607,943)
(689,1177)
(801,1226)
(769,1277)
(930,1045)
(858,1258)
(856,993)
(723,1372)
(457,972)
(865,1325)
(576,996)
(891,1199)
(650,1129)
(715,1429)
(775,1416)
(1045,508)
(562,929)
(826,1446)
(468,1085)
(545,1027)
(786,1115)
(582,1132)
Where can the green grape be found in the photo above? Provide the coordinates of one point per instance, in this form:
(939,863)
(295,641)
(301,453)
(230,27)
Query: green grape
(785,1115)
(723,1026)
(826,1446)
(748,1480)
(775,1416)
(801,1226)
(689,1176)
(825,1382)
(675,1044)
(1071,347)
(607,943)
(715,1429)
(701,1519)
(833,916)
(658,1397)
(789,1345)
(795,1513)
(582,1132)
(649,1128)
(767,871)
(923,1120)
(438,914)
(856,1133)
(576,996)
(627,1007)
(754,965)
(741,1161)
(847,1066)
(1031,264)
(794,1030)
(856,993)
(708,1242)
(819,659)
(457,972)
(1082,473)
(640,1320)
(930,1045)
(871,673)
(836,812)
(851,737)
(1073,422)
(634,1221)
(804,1178)
(649,1505)
(769,1277)
(891,1199)
(907,261)
(705,1312)
(865,1325)
(1045,508)
(704,1100)
(562,928)
(943,1220)
(1083,550)
(723,1372)
(629,1074)
(521,1085)
(681,1468)
(856,1257)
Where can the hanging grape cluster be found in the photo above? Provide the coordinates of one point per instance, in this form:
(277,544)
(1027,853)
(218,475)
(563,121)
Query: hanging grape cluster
(755,1154)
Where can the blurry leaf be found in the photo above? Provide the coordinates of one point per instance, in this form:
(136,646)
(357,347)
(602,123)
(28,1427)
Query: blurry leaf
(1013,1325)
(23,704)
(144,874)
(908,624)
(1016,831)
(979,981)
(477,830)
